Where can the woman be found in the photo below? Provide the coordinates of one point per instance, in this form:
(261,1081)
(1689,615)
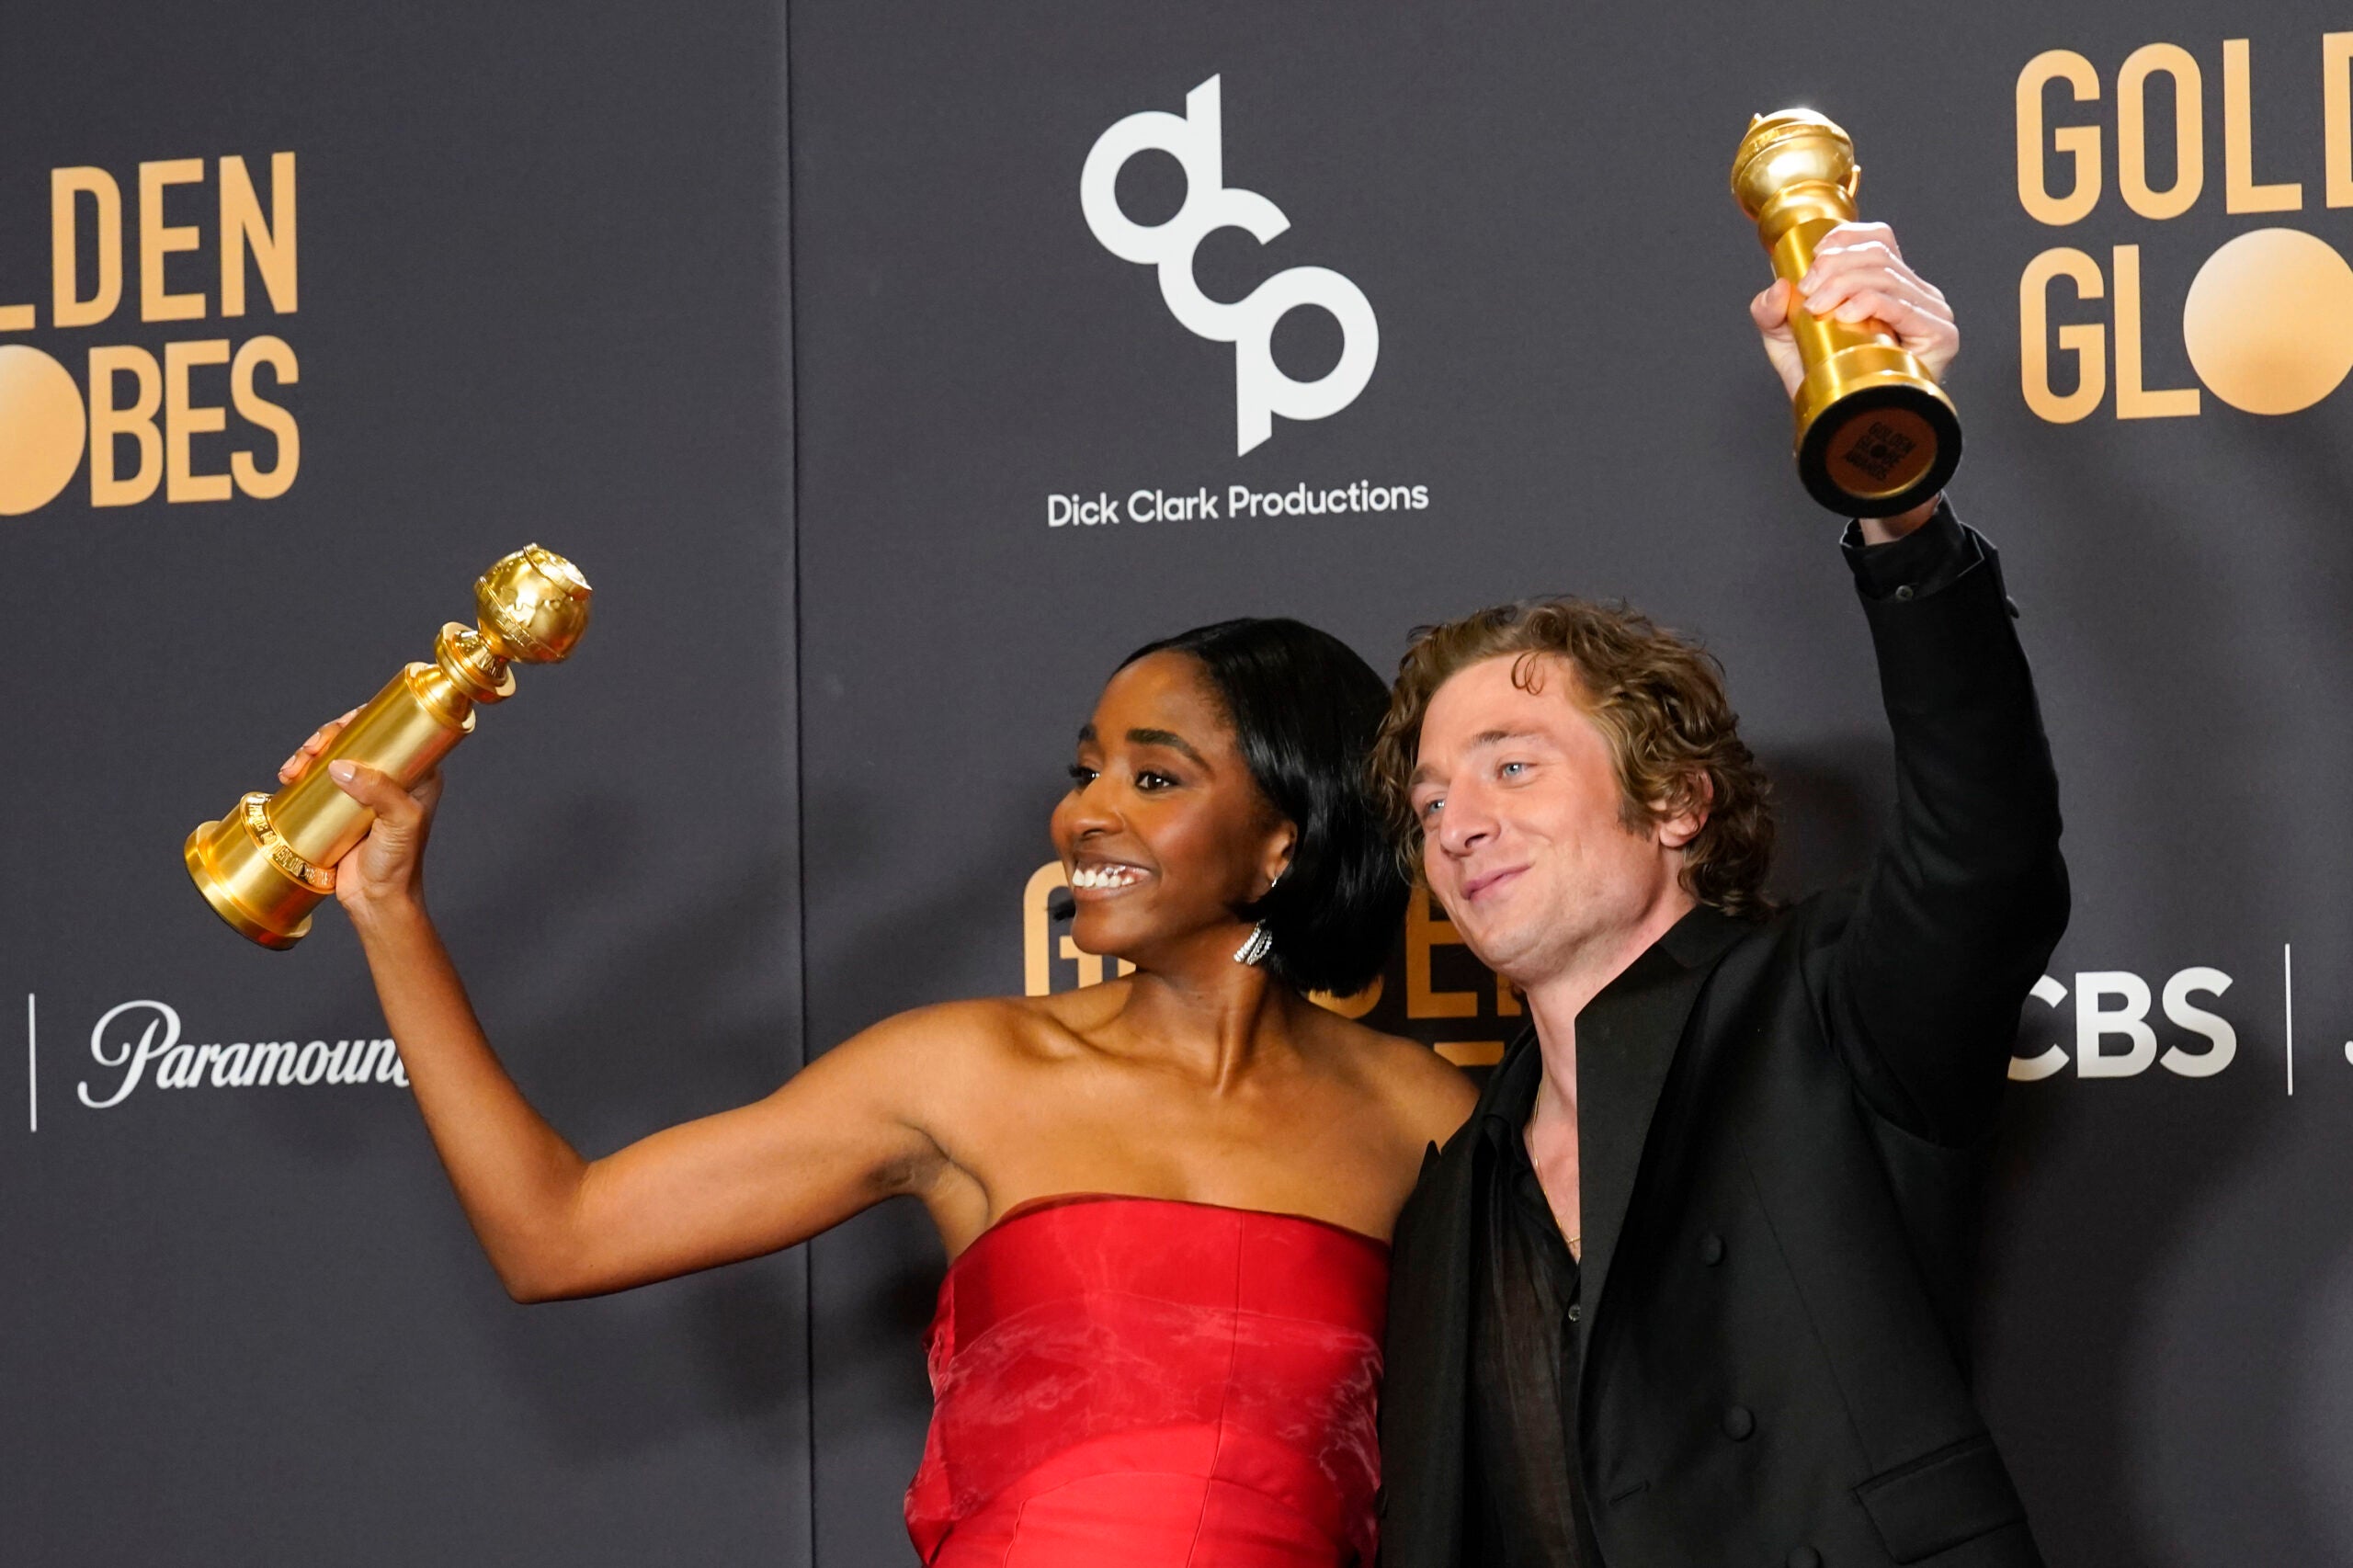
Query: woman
(1166,1198)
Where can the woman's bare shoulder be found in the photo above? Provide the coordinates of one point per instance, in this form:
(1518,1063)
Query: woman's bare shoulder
(1432,1096)
(1023,1025)
(935,1065)
(975,1020)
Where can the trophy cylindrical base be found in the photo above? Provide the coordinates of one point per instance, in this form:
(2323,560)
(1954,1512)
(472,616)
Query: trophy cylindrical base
(1875,435)
(266,865)
(244,883)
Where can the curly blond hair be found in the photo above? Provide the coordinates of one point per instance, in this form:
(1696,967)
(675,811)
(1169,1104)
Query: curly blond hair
(1659,702)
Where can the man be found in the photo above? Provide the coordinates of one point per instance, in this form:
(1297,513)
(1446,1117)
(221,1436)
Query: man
(1690,1287)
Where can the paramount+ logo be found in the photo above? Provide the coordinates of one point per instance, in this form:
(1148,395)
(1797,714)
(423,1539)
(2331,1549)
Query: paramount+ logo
(136,1043)
(196,416)
(1196,139)
(2268,318)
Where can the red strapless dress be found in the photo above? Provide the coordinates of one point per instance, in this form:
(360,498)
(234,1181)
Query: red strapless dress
(1140,1382)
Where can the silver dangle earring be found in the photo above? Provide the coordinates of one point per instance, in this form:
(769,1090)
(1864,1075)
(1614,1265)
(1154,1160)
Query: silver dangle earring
(1258,944)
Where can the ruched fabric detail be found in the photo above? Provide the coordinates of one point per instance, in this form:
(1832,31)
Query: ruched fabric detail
(1157,1384)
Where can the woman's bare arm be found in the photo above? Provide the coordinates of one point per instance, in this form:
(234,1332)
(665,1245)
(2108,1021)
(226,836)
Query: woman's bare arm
(840,1136)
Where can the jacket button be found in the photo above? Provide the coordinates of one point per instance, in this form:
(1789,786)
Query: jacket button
(1904,593)
(1805,1557)
(1711,1249)
(1739,1422)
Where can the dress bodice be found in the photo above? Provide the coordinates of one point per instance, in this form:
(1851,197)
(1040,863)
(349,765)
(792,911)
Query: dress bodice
(1150,1382)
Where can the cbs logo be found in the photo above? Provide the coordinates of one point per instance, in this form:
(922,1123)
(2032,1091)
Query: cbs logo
(2114,1038)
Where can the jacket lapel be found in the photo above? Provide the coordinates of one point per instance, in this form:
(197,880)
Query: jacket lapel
(1422,1401)
(1626,1039)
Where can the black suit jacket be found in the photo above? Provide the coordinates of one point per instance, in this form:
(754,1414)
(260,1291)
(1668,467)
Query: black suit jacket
(1783,1132)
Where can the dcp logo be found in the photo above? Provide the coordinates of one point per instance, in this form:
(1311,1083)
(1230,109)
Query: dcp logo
(1261,391)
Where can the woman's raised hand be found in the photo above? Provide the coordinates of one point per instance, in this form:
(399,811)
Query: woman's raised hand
(388,865)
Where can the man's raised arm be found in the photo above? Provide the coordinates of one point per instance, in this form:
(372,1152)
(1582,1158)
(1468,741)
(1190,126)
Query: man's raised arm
(1968,894)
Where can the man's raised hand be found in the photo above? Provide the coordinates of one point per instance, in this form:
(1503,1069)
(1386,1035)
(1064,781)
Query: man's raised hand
(1859,274)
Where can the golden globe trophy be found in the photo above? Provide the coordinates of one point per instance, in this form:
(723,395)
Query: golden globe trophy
(267,865)
(1876,435)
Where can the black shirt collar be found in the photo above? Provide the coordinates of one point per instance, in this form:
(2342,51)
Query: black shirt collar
(1699,938)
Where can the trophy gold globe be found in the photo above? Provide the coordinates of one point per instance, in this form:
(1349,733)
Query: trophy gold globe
(265,866)
(1876,435)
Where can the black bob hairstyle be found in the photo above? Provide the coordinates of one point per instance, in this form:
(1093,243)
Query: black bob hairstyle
(1304,709)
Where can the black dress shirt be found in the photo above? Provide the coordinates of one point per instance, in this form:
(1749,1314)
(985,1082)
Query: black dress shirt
(1527,1511)
(1524,1507)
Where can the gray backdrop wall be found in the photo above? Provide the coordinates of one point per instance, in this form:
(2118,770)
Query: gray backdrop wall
(790,323)
(541,295)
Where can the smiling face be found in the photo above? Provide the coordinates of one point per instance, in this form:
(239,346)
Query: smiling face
(1164,831)
(1523,831)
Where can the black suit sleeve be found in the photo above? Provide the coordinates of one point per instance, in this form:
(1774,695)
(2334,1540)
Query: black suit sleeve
(1968,894)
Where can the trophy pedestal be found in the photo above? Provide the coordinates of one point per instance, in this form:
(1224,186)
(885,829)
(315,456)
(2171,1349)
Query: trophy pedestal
(233,868)
(267,865)
(1874,435)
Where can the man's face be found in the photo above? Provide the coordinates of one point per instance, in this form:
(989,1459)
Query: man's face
(1524,839)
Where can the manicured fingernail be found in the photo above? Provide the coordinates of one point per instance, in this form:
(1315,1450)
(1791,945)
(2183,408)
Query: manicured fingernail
(343,770)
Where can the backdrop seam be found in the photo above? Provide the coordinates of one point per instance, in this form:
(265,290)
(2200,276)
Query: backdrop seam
(800,760)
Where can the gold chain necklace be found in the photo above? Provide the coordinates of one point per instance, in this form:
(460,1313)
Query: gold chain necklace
(1536,1162)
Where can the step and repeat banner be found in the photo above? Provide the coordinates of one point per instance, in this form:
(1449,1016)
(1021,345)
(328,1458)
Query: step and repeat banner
(1118,319)
(893,369)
